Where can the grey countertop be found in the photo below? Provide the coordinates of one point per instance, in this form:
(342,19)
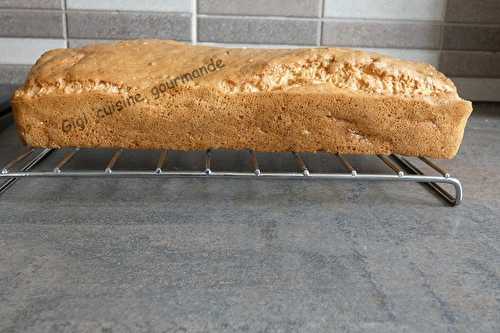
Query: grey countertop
(201,255)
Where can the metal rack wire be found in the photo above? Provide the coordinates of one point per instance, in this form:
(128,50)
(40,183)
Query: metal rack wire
(402,171)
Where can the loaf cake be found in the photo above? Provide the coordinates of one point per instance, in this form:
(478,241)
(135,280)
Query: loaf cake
(154,94)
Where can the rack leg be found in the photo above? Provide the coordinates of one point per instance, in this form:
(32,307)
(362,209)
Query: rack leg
(32,163)
(254,163)
(434,187)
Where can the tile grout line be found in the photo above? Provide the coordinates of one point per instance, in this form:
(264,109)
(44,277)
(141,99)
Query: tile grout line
(441,35)
(441,42)
(320,24)
(194,22)
(439,22)
(65,23)
(264,45)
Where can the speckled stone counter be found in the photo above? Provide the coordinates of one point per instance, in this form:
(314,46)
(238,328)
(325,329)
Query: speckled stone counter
(201,255)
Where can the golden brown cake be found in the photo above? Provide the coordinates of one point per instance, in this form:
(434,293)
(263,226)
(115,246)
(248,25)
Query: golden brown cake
(153,94)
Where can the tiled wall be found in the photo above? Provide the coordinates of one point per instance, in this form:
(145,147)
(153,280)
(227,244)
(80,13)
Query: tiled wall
(460,37)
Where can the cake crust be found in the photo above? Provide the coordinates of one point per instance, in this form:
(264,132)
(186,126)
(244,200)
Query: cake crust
(152,94)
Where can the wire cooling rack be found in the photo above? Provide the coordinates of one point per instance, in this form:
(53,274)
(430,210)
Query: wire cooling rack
(402,169)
